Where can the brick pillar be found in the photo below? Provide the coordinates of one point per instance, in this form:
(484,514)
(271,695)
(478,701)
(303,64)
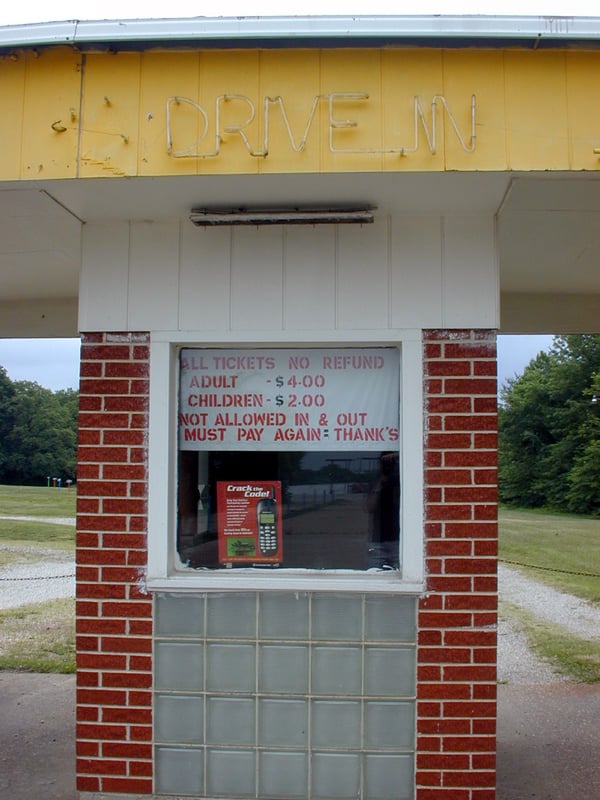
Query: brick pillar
(114,615)
(457,617)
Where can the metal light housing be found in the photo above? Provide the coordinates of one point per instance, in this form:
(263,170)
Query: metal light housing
(209,217)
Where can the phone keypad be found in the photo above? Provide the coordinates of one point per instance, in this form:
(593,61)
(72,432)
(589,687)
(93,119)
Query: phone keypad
(267,538)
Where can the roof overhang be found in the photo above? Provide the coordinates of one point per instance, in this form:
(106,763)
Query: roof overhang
(548,222)
(533,32)
(548,233)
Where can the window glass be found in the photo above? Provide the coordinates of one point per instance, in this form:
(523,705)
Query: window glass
(289,458)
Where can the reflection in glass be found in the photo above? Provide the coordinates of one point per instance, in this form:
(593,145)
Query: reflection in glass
(340,510)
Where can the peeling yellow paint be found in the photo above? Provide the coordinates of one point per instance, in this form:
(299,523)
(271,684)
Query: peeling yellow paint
(64,114)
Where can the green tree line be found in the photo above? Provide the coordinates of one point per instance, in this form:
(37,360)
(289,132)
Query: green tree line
(38,432)
(549,425)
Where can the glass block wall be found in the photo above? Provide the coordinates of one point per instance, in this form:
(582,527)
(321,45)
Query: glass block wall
(285,695)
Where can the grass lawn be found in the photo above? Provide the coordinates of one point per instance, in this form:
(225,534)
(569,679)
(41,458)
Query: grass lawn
(568,549)
(37,501)
(46,534)
(19,539)
(573,656)
(555,542)
(38,637)
(22,540)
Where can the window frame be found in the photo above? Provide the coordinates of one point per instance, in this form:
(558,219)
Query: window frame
(163,570)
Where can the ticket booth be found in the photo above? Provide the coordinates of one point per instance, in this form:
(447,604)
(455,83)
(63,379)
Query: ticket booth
(287,246)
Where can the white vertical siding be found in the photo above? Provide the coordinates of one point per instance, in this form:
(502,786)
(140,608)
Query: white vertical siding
(410,271)
(152,295)
(104,277)
(363,276)
(309,278)
(416,264)
(470,282)
(205,285)
(257,278)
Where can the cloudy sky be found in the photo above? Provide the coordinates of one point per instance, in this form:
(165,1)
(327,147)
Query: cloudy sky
(42,11)
(54,363)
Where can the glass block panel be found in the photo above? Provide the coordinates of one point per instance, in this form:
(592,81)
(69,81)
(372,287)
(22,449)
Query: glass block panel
(390,671)
(336,670)
(179,771)
(179,614)
(283,616)
(230,667)
(283,669)
(335,723)
(179,719)
(335,775)
(179,666)
(282,775)
(230,720)
(230,773)
(390,725)
(390,618)
(231,616)
(389,777)
(283,722)
(337,617)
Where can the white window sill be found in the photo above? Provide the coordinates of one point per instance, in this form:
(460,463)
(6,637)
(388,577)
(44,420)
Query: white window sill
(283,580)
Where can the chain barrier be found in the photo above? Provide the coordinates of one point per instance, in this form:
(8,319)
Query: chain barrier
(550,569)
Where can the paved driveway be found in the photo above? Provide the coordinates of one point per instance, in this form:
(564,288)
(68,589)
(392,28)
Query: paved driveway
(548,740)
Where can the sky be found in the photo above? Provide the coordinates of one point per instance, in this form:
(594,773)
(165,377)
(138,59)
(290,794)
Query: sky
(42,11)
(54,362)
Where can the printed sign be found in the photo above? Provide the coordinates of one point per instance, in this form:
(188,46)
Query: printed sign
(296,399)
(249,522)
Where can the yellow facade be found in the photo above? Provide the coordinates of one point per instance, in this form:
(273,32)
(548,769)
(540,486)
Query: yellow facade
(65,114)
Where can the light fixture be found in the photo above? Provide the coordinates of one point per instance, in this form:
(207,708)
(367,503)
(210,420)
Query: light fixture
(281,216)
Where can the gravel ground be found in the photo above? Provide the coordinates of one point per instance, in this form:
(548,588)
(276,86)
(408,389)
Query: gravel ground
(516,663)
(54,578)
(579,616)
(37,582)
(55,520)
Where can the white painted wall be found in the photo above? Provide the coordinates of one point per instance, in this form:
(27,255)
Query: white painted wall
(50,317)
(407,271)
(379,283)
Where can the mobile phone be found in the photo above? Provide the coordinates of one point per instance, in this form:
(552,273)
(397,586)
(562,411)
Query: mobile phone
(266,512)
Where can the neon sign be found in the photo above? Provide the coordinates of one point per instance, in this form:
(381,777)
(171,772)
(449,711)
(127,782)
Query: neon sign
(207,145)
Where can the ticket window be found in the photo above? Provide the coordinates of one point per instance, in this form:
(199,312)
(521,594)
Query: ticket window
(289,459)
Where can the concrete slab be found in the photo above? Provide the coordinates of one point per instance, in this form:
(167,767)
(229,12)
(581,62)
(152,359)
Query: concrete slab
(548,740)
(37,736)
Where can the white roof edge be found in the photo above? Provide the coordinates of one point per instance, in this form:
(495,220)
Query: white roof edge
(553,28)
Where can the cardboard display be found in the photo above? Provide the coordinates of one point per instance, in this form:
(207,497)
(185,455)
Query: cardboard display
(249,522)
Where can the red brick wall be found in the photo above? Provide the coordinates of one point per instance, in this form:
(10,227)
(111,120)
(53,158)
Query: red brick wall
(457,636)
(114,616)
(456,655)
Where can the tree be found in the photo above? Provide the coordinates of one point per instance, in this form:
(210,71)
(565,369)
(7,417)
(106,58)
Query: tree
(39,439)
(549,429)
(584,478)
(6,420)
